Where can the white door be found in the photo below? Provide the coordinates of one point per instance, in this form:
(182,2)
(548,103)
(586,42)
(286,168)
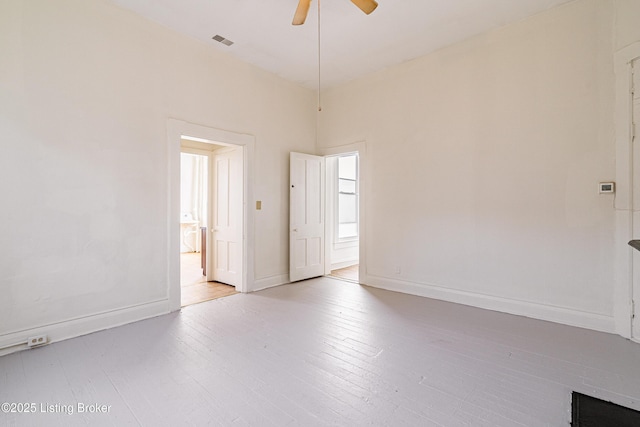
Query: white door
(226,230)
(635,326)
(306,217)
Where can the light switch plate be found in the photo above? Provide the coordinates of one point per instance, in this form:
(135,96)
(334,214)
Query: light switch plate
(607,187)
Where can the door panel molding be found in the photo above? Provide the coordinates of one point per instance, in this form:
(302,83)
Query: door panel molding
(226,218)
(306,216)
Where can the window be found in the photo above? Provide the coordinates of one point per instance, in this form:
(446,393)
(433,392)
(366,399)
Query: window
(348,196)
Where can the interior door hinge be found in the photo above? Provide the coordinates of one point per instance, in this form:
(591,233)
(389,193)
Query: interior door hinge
(633,309)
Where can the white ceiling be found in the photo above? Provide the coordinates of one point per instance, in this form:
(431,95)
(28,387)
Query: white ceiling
(353,44)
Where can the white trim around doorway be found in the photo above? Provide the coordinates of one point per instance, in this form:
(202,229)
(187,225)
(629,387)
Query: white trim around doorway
(360,148)
(176,129)
(624,202)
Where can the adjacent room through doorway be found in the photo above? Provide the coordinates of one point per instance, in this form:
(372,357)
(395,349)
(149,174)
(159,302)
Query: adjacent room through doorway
(198,197)
(343,187)
(326,215)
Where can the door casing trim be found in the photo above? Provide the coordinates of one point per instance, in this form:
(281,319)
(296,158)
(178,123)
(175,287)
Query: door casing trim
(175,130)
(359,147)
(623,283)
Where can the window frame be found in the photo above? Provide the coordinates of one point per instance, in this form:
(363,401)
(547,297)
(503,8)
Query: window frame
(356,193)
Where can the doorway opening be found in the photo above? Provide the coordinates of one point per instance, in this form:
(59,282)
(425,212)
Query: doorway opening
(198,193)
(627,112)
(229,239)
(342,216)
(326,214)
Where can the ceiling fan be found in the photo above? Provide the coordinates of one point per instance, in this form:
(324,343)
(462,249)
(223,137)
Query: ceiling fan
(367,6)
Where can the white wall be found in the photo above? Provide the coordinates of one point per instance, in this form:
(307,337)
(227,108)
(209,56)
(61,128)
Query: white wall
(86,90)
(483,165)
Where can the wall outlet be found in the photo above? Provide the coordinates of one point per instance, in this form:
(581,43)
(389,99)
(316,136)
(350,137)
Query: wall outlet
(37,340)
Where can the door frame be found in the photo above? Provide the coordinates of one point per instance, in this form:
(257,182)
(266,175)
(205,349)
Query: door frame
(360,148)
(624,202)
(176,129)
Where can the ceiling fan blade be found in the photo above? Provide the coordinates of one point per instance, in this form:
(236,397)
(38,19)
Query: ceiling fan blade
(367,6)
(301,12)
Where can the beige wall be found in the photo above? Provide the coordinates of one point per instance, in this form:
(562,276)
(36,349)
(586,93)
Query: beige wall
(86,90)
(483,166)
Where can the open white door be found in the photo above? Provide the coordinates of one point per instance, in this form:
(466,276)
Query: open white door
(635,120)
(226,230)
(306,217)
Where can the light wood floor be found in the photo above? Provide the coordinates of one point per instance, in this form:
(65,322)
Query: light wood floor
(347,273)
(194,286)
(324,352)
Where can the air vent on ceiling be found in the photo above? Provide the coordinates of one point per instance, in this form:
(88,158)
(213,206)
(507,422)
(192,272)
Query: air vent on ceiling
(222,40)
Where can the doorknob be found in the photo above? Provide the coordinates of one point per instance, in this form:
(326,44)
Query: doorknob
(295,230)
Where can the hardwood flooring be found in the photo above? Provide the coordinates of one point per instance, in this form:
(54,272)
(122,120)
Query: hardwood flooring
(347,273)
(323,352)
(194,286)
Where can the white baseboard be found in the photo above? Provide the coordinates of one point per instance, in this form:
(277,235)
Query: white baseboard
(269,282)
(16,341)
(566,316)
